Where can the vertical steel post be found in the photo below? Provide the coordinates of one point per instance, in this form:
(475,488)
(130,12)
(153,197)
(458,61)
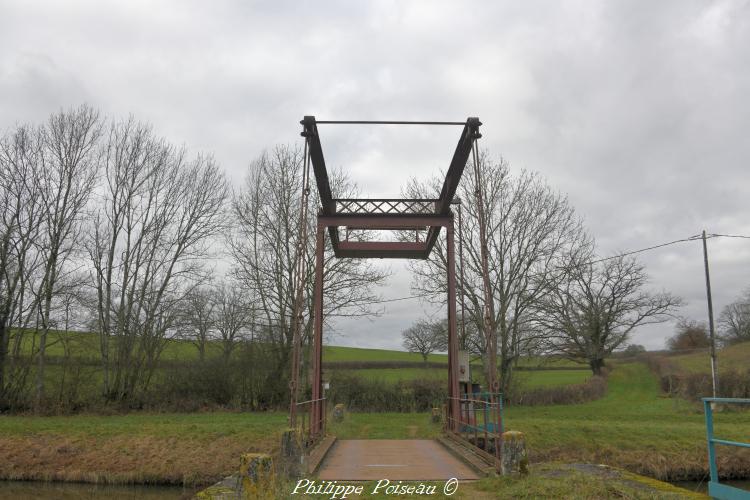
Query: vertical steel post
(462,283)
(714,364)
(317,350)
(298,285)
(711,447)
(452,333)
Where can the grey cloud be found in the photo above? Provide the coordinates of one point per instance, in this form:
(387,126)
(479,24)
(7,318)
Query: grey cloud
(637,110)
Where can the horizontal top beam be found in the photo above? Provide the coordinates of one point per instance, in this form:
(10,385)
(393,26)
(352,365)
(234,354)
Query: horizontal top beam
(407,200)
(385,222)
(381,122)
(727,400)
(394,228)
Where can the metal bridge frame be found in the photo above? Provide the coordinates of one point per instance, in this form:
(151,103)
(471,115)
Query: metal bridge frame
(383,214)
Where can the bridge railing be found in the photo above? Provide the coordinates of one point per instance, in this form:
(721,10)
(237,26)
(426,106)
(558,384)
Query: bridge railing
(480,421)
(715,488)
(311,421)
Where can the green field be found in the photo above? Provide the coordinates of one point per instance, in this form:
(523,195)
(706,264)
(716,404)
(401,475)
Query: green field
(551,378)
(336,353)
(734,357)
(527,379)
(86,345)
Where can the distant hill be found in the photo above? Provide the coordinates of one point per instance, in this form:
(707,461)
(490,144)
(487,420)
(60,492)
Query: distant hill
(734,357)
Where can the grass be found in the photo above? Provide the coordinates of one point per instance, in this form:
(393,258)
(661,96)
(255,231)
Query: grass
(393,375)
(337,353)
(586,482)
(551,378)
(86,345)
(167,425)
(190,449)
(550,480)
(631,427)
(386,426)
(733,357)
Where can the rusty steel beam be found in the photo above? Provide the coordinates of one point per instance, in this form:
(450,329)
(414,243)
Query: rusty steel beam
(382,254)
(384,122)
(383,221)
(382,245)
(469,134)
(463,149)
(382,249)
(412,228)
(453,387)
(317,354)
(310,130)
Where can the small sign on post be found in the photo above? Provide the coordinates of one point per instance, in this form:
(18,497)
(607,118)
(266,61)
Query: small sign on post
(464,367)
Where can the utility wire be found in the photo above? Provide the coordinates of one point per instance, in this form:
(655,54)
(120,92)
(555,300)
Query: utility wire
(641,250)
(604,259)
(696,237)
(729,236)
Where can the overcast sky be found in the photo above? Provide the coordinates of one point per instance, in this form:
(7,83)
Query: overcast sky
(638,111)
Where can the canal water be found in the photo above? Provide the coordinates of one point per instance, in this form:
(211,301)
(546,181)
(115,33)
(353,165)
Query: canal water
(33,490)
(702,486)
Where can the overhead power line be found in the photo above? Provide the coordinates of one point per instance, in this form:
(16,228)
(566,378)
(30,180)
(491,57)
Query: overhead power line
(729,236)
(696,237)
(641,250)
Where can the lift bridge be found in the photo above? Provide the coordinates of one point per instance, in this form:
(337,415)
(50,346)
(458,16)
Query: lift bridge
(472,418)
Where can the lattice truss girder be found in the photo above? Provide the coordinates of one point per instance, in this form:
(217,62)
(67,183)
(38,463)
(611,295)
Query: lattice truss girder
(374,206)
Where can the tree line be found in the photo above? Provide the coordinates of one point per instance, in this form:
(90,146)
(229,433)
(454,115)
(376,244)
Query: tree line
(108,228)
(552,293)
(105,227)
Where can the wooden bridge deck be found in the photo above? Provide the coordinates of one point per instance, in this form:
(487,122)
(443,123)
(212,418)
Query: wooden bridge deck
(395,459)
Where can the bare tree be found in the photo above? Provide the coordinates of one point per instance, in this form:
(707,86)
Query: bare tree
(530,229)
(21,217)
(735,320)
(268,211)
(425,337)
(233,315)
(196,318)
(150,238)
(598,306)
(70,169)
